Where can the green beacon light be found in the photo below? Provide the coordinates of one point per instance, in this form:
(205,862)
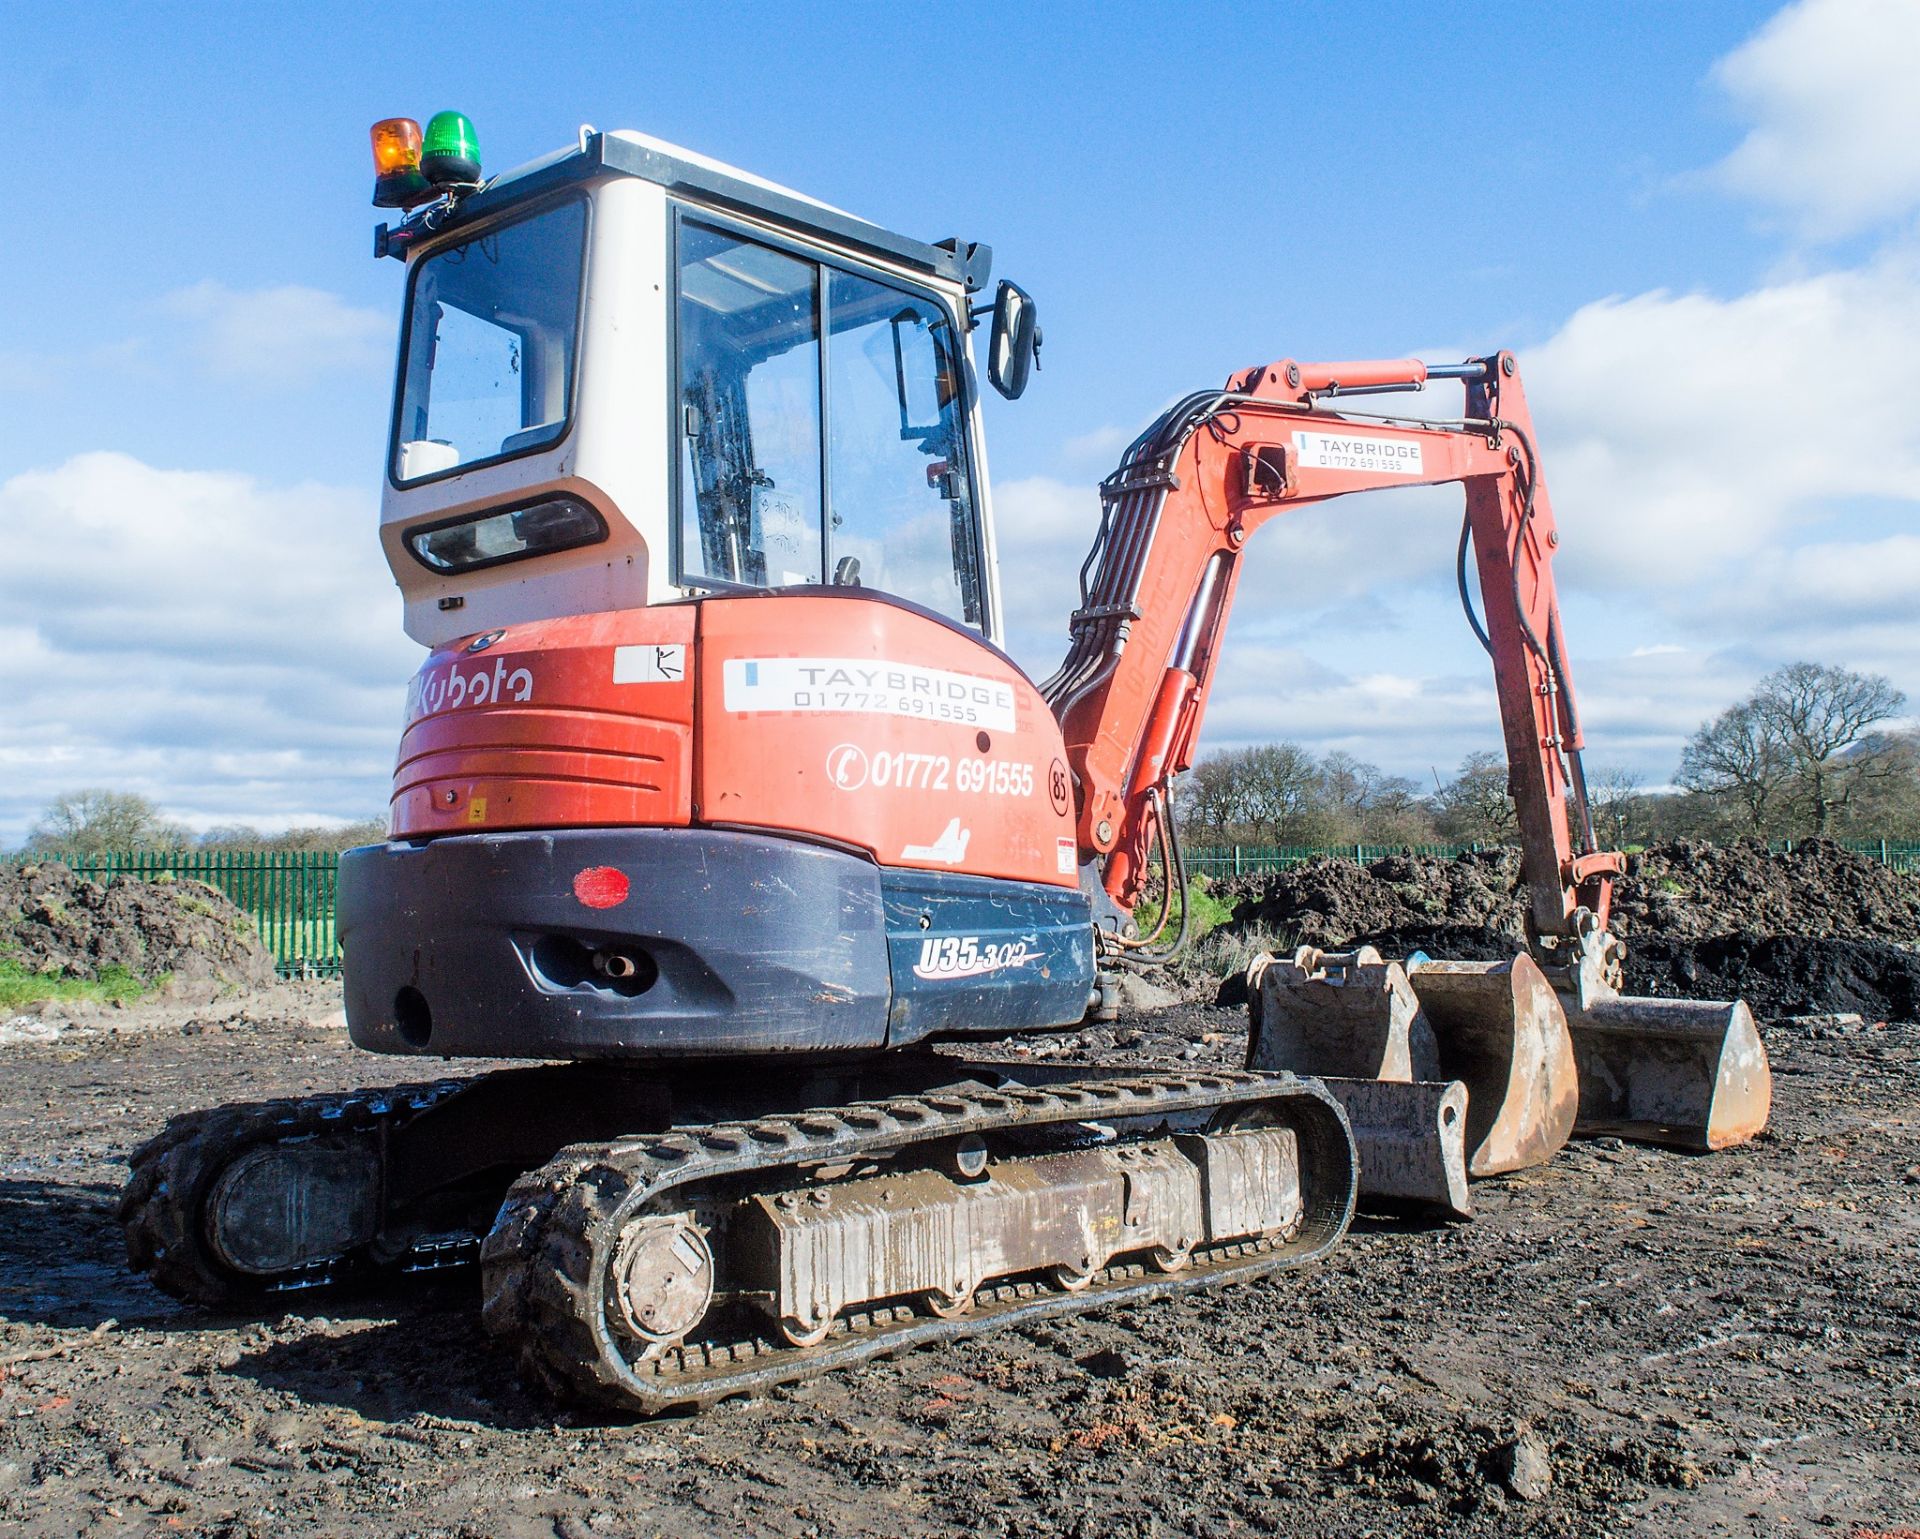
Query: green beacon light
(450,154)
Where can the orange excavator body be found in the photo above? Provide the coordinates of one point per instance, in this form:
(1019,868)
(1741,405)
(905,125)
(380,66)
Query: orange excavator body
(715,756)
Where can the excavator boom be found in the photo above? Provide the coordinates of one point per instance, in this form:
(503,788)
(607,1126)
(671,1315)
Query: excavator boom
(1176,518)
(1543,1043)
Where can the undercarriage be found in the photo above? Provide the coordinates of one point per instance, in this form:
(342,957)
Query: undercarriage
(676,1255)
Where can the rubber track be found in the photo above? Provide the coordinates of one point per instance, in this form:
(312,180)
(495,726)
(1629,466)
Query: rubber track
(163,1206)
(545,1265)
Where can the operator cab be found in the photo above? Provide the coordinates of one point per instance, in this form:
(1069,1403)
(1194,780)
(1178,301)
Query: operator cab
(629,375)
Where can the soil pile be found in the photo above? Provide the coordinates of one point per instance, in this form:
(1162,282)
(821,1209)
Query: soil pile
(52,921)
(1815,930)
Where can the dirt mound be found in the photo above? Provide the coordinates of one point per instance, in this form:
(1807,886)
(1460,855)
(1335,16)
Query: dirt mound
(1782,974)
(1328,902)
(52,921)
(1813,930)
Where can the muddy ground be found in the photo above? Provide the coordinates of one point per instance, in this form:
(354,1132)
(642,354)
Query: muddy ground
(1623,1341)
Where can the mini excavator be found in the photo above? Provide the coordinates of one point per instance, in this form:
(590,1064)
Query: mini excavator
(718,796)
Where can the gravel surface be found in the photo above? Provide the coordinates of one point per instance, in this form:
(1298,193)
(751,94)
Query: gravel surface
(1625,1340)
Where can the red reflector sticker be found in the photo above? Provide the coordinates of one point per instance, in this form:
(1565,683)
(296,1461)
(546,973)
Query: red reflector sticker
(601,886)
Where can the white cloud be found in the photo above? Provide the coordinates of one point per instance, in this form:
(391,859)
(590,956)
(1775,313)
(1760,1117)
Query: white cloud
(1102,444)
(1683,432)
(280,335)
(229,648)
(1835,141)
(1044,528)
(1708,458)
(1296,565)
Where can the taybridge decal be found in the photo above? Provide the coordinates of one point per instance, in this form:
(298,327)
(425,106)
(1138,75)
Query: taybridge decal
(967,956)
(866,685)
(449,688)
(1352,451)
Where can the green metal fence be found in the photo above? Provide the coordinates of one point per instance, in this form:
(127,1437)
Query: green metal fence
(1237,859)
(1901,854)
(289,893)
(1217,860)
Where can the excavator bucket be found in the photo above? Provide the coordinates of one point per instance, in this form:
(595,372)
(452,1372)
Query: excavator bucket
(1344,1013)
(1411,1139)
(1681,1072)
(1500,1028)
(1352,1020)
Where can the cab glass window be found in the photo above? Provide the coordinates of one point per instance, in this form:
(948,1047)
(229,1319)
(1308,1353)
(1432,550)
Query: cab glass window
(822,429)
(900,516)
(491,333)
(749,412)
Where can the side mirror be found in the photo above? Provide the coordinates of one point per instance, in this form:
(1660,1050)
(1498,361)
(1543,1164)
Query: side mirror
(1014,348)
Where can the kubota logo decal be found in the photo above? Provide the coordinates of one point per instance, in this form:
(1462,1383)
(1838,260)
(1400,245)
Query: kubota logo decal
(967,956)
(434,689)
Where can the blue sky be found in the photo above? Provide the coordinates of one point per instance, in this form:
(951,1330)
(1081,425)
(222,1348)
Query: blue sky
(1694,223)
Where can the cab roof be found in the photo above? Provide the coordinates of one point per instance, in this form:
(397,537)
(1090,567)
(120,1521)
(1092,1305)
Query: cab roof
(624,152)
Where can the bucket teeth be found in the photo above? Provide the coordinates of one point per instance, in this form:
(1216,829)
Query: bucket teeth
(1687,1073)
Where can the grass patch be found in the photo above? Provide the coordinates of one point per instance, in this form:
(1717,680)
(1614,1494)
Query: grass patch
(19,987)
(1205,911)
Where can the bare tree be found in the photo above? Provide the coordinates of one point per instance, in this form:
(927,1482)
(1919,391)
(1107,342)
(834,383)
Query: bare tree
(1797,751)
(1279,793)
(97,821)
(1738,759)
(1888,803)
(311,838)
(1613,797)
(1372,806)
(1820,715)
(1475,805)
(1280,789)
(1210,794)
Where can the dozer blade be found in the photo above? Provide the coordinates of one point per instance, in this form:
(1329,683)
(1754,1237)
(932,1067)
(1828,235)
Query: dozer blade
(1344,1013)
(1411,1138)
(1685,1073)
(1500,1028)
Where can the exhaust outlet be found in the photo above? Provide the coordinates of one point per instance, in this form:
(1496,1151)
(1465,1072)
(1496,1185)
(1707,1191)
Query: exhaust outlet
(614,964)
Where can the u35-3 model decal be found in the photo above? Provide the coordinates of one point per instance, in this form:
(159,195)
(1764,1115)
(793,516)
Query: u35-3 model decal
(967,956)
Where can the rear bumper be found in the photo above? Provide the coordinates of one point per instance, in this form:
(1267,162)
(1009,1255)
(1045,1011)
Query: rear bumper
(482,945)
